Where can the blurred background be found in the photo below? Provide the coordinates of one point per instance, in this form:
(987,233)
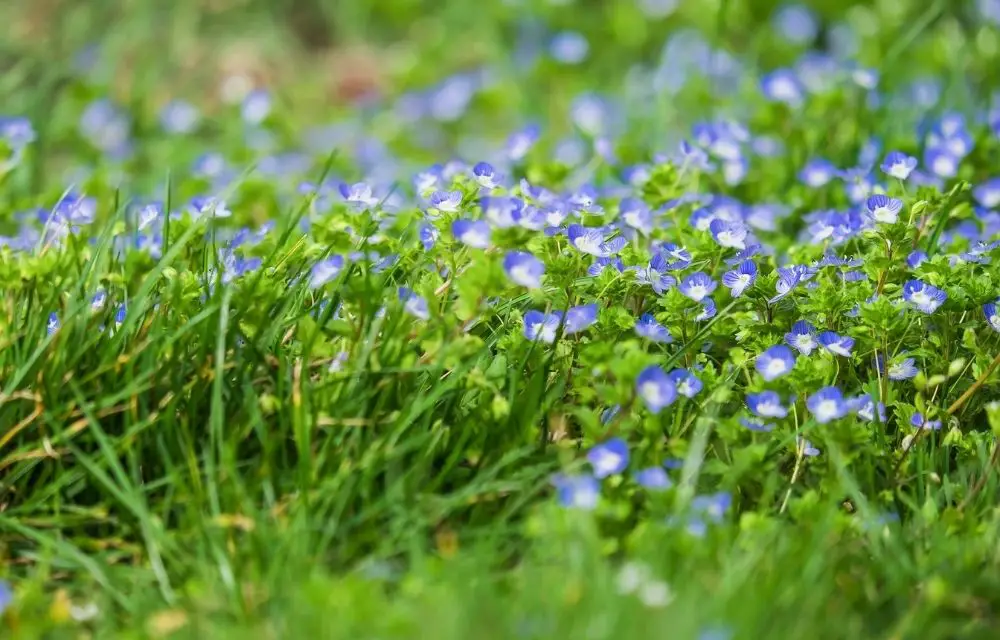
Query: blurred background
(435,78)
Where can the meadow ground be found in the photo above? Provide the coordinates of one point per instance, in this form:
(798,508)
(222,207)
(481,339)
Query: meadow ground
(529,319)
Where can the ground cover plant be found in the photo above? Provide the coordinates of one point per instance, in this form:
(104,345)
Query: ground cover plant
(564,319)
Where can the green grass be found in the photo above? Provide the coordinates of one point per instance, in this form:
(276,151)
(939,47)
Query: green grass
(201,471)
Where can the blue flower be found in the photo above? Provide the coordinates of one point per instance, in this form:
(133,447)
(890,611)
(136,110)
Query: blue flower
(916,258)
(610,413)
(729,233)
(447,201)
(992,317)
(923,296)
(806,447)
(941,162)
(865,408)
(988,193)
(503,212)
(178,116)
(655,478)
(775,362)
(472,233)
(577,492)
(414,304)
(766,404)
(608,458)
(707,311)
(920,422)
(898,165)
(486,176)
(687,384)
(676,257)
(713,505)
(655,388)
(521,142)
(591,240)
(569,47)
(600,264)
(256,106)
(359,194)
(325,270)
(654,275)
(827,404)
(98,301)
(782,85)
(53,324)
(17,132)
(797,23)
(741,278)
(754,424)
(818,172)
(697,286)
(636,214)
(836,343)
(6,596)
(428,236)
(579,318)
(903,369)
(542,326)
(647,327)
(788,279)
(882,208)
(524,269)
(802,337)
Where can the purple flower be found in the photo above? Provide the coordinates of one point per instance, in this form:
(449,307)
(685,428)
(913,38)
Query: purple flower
(898,165)
(836,343)
(697,286)
(741,278)
(608,458)
(923,296)
(766,404)
(802,337)
(647,327)
(775,362)
(707,311)
(472,233)
(521,142)
(827,404)
(524,269)
(655,388)
(687,384)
